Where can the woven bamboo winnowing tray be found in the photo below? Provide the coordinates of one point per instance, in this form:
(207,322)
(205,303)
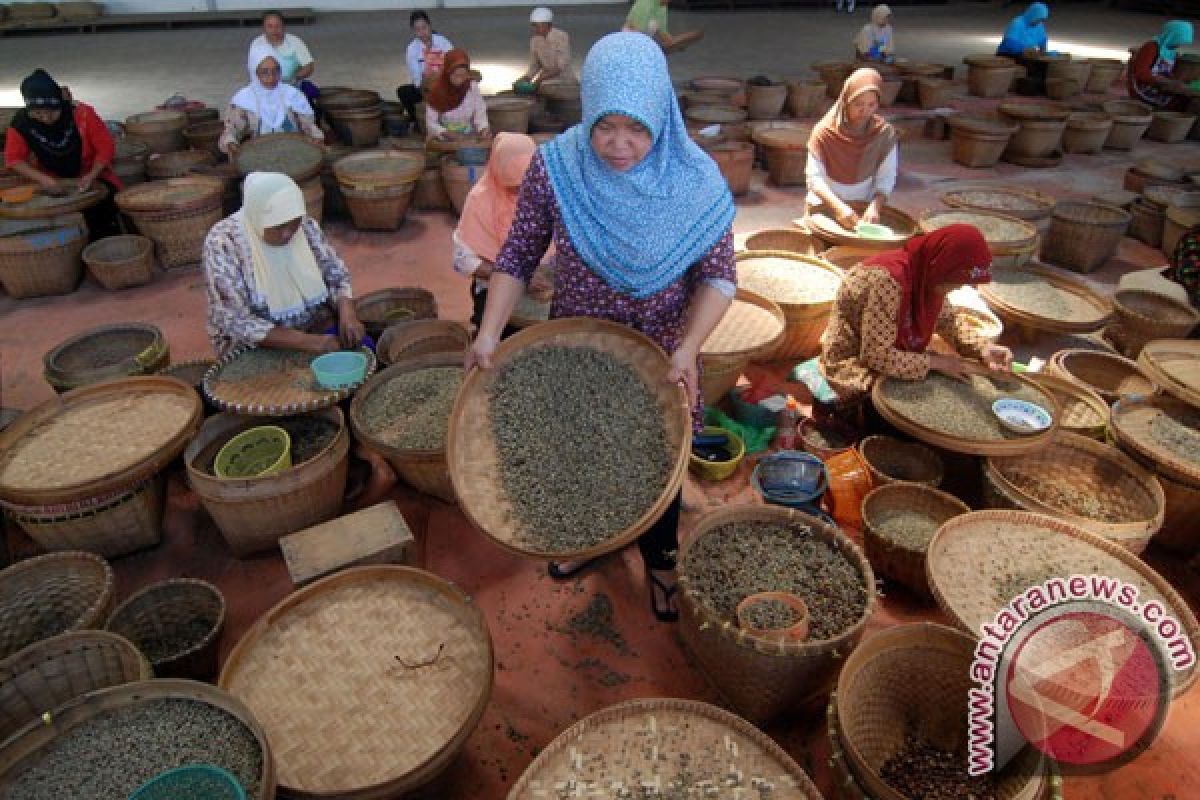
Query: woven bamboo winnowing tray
(1019,234)
(903,226)
(367,682)
(1013,445)
(43,205)
(1015,202)
(752,325)
(278,393)
(1174,364)
(980,561)
(649,743)
(471,446)
(1131,421)
(303,157)
(1082,410)
(1102,308)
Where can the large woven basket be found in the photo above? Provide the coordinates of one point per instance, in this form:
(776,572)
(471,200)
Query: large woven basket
(109,525)
(187,614)
(119,262)
(54,671)
(254,513)
(1082,411)
(805,321)
(677,745)
(1124,502)
(786,152)
(422,337)
(379,209)
(159,131)
(367,682)
(204,136)
(178,164)
(915,676)
(1086,132)
(805,97)
(1105,72)
(745,333)
(973,578)
(105,353)
(979,143)
(989,76)
(379,169)
(177,214)
(52,594)
(764,678)
(474,458)
(895,559)
(509,114)
(425,470)
(1040,132)
(1170,126)
(895,461)
(1144,316)
(24,749)
(395,305)
(1108,375)
(359,127)
(1083,236)
(1130,122)
(44,262)
(735,160)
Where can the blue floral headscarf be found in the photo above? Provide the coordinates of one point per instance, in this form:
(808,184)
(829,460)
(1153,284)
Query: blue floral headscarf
(642,229)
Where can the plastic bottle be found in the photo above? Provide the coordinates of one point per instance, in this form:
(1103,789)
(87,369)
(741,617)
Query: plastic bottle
(788,417)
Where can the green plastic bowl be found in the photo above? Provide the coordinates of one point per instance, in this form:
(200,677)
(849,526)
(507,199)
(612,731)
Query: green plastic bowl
(339,370)
(873,230)
(193,782)
(256,453)
(524,87)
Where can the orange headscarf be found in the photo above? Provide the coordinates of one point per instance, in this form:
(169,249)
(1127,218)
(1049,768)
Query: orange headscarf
(492,202)
(853,156)
(443,95)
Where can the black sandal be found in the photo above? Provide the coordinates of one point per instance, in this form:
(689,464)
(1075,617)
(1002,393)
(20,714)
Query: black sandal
(559,574)
(664,613)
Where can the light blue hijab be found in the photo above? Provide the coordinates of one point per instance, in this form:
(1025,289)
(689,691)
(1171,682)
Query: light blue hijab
(1175,33)
(642,229)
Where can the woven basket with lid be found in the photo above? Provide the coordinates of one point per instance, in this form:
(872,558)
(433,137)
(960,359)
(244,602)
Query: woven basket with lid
(367,682)
(751,329)
(1109,375)
(52,594)
(763,678)
(972,578)
(1084,482)
(676,745)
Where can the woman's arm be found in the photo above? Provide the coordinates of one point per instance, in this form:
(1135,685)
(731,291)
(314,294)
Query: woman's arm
(818,183)
(237,121)
(885,184)
(308,125)
(16,157)
(433,125)
(708,306)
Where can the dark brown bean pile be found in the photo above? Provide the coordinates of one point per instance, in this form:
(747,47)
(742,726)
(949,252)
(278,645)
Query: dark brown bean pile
(114,753)
(924,772)
(310,435)
(739,559)
(173,641)
(581,442)
(770,615)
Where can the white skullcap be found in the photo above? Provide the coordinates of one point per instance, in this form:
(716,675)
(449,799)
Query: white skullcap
(541,14)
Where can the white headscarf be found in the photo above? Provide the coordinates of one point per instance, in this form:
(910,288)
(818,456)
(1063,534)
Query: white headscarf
(287,278)
(271,105)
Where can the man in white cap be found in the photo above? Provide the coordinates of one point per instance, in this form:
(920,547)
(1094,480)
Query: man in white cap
(549,50)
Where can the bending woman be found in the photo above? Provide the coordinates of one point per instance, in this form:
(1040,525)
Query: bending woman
(1151,70)
(266,104)
(853,154)
(273,279)
(454,106)
(641,219)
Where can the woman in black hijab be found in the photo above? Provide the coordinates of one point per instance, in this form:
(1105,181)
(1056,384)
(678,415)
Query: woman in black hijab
(53,138)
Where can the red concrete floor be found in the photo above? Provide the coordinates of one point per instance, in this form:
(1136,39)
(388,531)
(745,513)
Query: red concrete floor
(547,679)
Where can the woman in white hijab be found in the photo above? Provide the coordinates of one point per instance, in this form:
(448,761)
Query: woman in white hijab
(266,104)
(273,279)
(876,41)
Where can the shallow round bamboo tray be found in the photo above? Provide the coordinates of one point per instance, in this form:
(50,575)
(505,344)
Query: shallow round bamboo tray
(1132,419)
(978,142)
(116,472)
(897,560)
(471,448)
(367,682)
(174,195)
(846,257)
(22,751)
(1011,240)
(1083,236)
(804,321)
(424,469)
(1109,375)
(422,337)
(382,308)
(1012,201)
(1144,316)
(379,169)
(160,609)
(1015,446)
(762,678)
(1173,364)
(1082,410)
(52,594)
(106,353)
(895,461)
(45,205)
(651,742)
(829,231)
(1030,320)
(119,262)
(301,158)
(1119,487)
(915,675)
(743,334)
(252,514)
(972,578)
(178,164)
(985,324)
(54,671)
(293,390)
(788,240)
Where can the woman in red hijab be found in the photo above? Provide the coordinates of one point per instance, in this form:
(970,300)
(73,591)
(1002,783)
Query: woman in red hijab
(890,306)
(454,105)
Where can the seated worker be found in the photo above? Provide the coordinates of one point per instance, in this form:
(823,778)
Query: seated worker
(296,64)
(423,57)
(876,41)
(454,106)
(549,50)
(266,105)
(1150,71)
(650,17)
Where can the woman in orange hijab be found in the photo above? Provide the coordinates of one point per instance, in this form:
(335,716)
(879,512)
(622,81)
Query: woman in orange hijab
(853,154)
(454,105)
(488,214)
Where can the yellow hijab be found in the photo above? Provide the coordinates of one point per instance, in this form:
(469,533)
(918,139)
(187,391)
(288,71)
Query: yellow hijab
(287,279)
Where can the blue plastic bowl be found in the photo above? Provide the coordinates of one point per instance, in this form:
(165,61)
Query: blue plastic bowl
(339,370)
(193,780)
(473,156)
(790,477)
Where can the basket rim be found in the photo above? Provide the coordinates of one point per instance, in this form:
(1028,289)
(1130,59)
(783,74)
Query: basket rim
(1166,300)
(47,567)
(1066,283)
(1044,203)
(418,330)
(270,141)
(879,439)
(759,301)
(1164,461)
(145,246)
(401,367)
(879,493)
(1150,366)
(168,586)
(327,398)
(1001,245)
(812,261)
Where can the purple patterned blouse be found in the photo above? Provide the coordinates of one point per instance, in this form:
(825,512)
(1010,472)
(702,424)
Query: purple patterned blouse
(579,292)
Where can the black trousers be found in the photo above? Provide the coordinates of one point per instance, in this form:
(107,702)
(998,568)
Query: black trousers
(103,219)
(660,543)
(409,96)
